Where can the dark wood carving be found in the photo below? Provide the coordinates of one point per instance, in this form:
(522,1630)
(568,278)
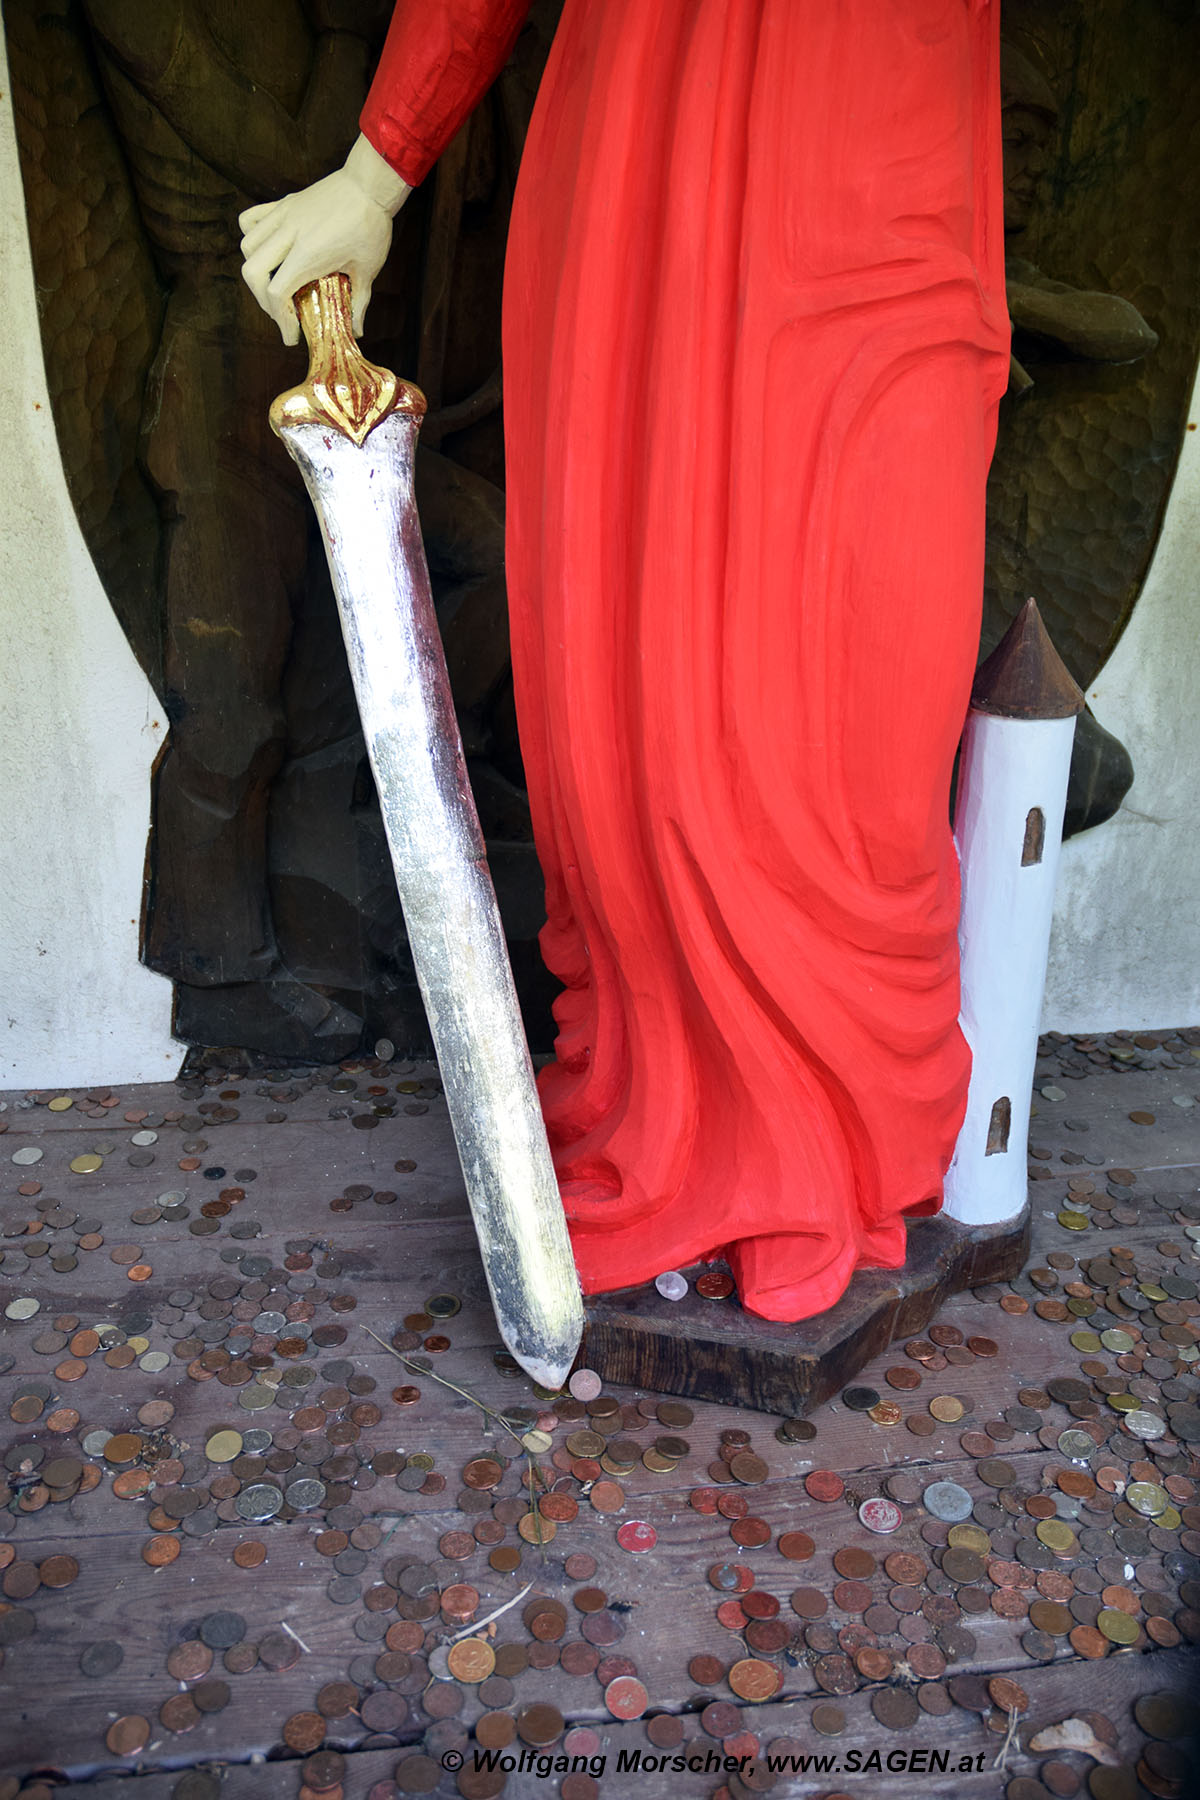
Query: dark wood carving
(1102,125)
(271,902)
(712,1350)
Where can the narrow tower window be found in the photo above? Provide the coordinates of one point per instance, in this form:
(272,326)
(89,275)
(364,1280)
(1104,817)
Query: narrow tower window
(998,1124)
(1035,837)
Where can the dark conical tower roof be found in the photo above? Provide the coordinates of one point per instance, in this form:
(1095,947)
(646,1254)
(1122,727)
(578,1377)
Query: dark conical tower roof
(1025,677)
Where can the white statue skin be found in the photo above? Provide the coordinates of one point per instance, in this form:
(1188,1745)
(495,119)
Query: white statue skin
(342,222)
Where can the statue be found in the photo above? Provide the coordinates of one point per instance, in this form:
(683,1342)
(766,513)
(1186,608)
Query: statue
(755,341)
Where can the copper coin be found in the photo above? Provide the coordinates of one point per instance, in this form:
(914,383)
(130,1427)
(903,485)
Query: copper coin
(337,1699)
(58,1571)
(540,1724)
(665,1731)
(747,1467)
(895,1708)
(304,1732)
(926,1660)
(720,1719)
(854,1563)
(179,1713)
(872,1663)
(767,1636)
(852,1596)
(126,1736)
(824,1485)
(1089,1642)
(714,1286)
(706,1671)
(161,1550)
(809,1603)
(250,1555)
(189,1660)
(753,1680)
(21,1579)
(836,1674)
(904,1568)
(797,1546)
(626,1697)
(606,1497)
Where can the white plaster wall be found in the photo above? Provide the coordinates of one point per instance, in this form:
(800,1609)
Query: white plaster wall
(1125,950)
(79,729)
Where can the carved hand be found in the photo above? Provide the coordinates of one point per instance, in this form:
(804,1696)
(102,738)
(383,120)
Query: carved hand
(343,222)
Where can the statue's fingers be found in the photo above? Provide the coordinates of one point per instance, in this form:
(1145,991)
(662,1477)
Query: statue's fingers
(259,267)
(255,218)
(298,268)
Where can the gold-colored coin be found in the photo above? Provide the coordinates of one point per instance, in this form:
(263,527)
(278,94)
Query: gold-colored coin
(536,1530)
(223,1446)
(1057,1535)
(753,1680)
(139,1345)
(1123,1402)
(1168,1519)
(969,1537)
(947,1408)
(1151,1289)
(585,1444)
(471,1660)
(1086,1341)
(1117,1626)
(885,1412)
(652,1459)
(1073,1221)
(420,1459)
(537,1442)
(1147,1497)
(1119,1342)
(61,1103)
(86,1164)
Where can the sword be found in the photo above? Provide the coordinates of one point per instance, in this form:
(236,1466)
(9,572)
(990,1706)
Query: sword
(352,430)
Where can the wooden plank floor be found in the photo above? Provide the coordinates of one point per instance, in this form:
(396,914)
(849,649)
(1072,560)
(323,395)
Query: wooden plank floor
(305,1185)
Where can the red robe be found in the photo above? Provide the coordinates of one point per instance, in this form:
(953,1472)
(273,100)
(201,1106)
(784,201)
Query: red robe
(754,342)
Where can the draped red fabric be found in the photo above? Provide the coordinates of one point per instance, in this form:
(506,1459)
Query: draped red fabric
(755,338)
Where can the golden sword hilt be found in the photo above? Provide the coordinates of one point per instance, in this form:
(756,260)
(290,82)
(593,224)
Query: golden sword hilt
(342,388)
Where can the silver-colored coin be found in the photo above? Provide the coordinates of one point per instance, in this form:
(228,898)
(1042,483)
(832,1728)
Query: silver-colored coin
(254,1397)
(439,1664)
(1053,1093)
(144,1138)
(104,1146)
(93,1443)
(1145,1425)
(671,1284)
(1147,1497)
(261,1500)
(306,1493)
(947,1501)
(270,1323)
(23,1308)
(385,1049)
(172,1197)
(1076,1444)
(154,1362)
(256,1439)
(27,1154)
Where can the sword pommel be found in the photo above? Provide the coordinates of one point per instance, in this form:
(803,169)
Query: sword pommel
(341,388)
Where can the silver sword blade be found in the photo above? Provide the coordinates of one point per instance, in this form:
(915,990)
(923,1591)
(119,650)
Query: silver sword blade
(363,495)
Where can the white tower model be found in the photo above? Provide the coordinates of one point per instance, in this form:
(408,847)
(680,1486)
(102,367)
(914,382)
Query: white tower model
(1012,789)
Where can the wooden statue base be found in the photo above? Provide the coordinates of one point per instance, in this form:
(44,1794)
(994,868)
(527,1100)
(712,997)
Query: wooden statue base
(713,1350)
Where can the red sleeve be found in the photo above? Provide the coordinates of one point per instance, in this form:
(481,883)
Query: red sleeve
(440,58)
